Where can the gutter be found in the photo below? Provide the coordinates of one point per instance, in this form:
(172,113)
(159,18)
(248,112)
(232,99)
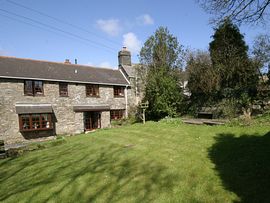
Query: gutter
(70,81)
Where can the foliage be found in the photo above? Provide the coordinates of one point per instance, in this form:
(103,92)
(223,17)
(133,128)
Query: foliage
(228,108)
(238,74)
(203,80)
(15,152)
(124,121)
(228,78)
(240,11)
(259,120)
(261,51)
(161,60)
(173,121)
(155,162)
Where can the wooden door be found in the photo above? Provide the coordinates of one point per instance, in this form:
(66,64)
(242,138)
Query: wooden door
(91,120)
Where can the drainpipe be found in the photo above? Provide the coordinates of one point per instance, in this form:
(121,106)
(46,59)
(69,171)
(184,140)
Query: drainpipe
(126,100)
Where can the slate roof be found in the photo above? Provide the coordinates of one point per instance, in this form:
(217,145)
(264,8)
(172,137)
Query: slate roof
(130,70)
(11,67)
(22,108)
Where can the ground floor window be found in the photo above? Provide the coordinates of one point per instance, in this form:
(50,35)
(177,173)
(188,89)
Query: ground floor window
(117,114)
(30,122)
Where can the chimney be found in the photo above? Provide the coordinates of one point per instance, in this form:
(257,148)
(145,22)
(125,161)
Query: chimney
(124,57)
(67,61)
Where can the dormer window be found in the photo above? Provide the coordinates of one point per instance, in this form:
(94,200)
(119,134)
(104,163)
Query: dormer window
(33,88)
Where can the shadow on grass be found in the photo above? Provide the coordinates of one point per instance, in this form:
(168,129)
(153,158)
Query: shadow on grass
(243,164)
(108,175)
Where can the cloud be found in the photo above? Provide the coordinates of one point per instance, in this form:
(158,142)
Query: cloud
(110,26)
(89,64)
(132,43)
(3,52)
(145,19)
(105,64)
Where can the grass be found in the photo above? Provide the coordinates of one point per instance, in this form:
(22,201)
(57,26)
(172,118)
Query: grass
(163,161)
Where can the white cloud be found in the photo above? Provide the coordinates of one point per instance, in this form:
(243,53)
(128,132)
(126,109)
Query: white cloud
(105,64)
(145,19)
(89,64)
(132,43)
(3,52)
(110,26)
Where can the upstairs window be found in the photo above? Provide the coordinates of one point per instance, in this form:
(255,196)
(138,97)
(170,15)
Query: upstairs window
(117,114)
(63,89)
(92,90)
(33,88)
(30,122)
(118,91)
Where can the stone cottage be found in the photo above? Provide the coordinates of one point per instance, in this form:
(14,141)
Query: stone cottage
(42,98)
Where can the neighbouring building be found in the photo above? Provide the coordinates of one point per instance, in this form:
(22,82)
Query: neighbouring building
(41,98)
(130,72)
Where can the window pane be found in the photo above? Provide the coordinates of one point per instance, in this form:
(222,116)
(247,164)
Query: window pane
(25,122)
(28,87)
(92,90)
(38,87)
(118,91)
(36,121)
(63,89)
(117,114)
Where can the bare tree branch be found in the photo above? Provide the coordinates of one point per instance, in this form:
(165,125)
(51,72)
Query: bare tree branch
(239,11)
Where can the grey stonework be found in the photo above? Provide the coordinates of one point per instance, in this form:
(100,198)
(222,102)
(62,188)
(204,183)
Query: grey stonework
(66,120)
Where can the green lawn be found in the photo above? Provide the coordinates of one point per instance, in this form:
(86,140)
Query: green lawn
(156,162)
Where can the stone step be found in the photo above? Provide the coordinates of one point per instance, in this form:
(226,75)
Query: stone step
(203,121)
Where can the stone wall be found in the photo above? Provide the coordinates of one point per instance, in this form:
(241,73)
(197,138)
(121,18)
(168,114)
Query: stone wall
(67,121)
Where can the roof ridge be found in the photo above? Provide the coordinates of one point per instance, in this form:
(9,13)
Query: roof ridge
(63,63)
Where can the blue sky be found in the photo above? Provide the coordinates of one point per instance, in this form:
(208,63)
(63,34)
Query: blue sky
(97,29)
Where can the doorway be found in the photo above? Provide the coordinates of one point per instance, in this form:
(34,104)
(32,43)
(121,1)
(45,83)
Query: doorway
(91,120)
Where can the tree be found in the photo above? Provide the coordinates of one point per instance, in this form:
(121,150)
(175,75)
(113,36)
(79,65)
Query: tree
(203,80)
(238,74)
(228,52)
(239,11)
(161,61)
(261,51)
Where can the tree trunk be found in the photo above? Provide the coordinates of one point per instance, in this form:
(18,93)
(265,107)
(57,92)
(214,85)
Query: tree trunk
(247,112)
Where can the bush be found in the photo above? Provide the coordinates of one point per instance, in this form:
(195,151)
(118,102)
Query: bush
(124,121)
(261,120)
(228,108)
(170,120)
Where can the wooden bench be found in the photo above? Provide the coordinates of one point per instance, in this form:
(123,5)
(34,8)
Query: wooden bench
(205,115)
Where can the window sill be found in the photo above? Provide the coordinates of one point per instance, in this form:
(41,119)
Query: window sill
(35,95)
(117,96)
(31,130)
(92,96)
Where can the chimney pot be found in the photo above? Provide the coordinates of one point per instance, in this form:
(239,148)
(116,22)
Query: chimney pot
(67,61)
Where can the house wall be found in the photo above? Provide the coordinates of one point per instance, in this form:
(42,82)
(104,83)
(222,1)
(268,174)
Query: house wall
(67,121)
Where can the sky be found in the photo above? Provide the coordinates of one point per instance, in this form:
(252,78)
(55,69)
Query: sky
(94,31)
